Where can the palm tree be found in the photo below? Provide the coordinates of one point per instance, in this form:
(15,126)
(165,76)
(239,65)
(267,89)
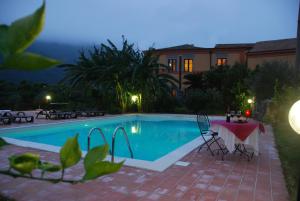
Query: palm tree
(120,73)
(149,81)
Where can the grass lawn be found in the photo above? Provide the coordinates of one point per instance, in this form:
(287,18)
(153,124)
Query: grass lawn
(288,144)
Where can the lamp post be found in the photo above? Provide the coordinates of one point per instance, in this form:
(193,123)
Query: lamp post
(294,120)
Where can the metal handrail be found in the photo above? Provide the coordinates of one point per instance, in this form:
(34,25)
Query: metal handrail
(113,142)
(90,133)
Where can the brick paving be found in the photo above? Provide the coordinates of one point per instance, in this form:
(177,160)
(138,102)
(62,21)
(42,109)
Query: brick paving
(207,178)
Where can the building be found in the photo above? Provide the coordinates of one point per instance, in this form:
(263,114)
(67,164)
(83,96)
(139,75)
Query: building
(185,59)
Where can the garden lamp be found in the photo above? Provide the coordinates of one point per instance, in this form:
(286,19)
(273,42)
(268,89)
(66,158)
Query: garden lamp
(48,97)
(294,120)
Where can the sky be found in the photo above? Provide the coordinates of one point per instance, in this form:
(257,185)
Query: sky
(161,23)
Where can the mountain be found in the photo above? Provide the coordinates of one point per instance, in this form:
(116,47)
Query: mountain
(65,53)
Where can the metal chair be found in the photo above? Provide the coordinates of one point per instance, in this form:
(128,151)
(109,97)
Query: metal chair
(204,127)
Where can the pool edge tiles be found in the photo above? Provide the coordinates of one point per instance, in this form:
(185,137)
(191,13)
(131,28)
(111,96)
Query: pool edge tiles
(158,165)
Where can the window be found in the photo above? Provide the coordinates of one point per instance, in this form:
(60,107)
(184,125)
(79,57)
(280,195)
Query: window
(172,65)
(221,61)
(174,92)
(188,65)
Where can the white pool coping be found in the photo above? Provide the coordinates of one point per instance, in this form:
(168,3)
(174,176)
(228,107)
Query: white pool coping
(158,165)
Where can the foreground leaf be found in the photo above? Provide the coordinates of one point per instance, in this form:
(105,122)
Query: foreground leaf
(21,33)
(49,167)
(24,163)
(70,153)
(96,154)
(101,168)
(28,61)
(2,142)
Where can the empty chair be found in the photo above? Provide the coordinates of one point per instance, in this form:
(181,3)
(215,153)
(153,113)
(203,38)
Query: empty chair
(209,137)
(19,117)
(5,120)
(22,116)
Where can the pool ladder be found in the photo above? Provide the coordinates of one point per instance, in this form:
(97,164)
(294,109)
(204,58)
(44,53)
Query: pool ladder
(113,140)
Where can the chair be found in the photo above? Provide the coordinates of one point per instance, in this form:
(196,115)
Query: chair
(18,117)
(204,127)
(5,120)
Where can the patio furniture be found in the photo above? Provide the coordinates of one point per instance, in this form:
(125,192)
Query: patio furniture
(44,113)
(5,120)
(22,116)
(92,113)
(209,137)
(53,114)
(18,117)
(238,136)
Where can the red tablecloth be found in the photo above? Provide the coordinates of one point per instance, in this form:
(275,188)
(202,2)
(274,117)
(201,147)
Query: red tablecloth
(241,130)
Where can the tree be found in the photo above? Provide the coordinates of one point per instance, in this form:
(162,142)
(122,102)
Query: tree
(120,73)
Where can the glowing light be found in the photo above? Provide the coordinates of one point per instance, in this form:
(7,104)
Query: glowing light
(248,113)
(86,125)
(134,98)
(294,116)
(134,129)
(48,97)
(250,101)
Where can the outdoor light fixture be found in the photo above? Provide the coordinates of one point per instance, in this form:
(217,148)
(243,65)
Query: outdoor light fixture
(134,129)
(294,120)
(134,98)
(294,116)
(250,101)
(48,97)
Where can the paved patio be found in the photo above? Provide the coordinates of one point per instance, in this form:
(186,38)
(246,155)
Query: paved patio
(207,178)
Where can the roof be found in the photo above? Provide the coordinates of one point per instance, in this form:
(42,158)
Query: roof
(235,45)
(182,47)
(275,45)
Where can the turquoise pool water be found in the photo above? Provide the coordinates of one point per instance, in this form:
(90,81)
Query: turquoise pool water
(150,137)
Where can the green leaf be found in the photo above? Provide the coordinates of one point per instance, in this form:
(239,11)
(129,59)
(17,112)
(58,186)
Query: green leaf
(24,163)
(28,61)
(2,142)
(70,153)
(94,155)
(21,33)
(101,168)
(49,167)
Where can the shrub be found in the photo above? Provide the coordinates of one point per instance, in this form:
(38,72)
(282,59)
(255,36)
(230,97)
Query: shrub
(209,101)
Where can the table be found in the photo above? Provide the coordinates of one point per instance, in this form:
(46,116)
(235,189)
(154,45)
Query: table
(236,134)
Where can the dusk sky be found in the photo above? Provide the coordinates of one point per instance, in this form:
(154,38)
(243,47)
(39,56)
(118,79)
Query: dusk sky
(160,22)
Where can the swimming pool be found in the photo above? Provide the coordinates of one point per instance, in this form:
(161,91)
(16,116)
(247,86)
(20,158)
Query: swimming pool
(157,141)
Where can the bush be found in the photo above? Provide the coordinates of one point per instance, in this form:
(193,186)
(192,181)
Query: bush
(209,101)
(270,74)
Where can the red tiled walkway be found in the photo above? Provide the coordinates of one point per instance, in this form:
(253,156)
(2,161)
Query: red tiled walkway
(205,179)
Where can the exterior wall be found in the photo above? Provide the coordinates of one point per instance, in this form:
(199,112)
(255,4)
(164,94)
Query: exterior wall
(232,57)
(254,60)
(201,62)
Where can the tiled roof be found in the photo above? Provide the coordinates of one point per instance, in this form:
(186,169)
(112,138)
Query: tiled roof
(235,45)
(274,45)
(182,47)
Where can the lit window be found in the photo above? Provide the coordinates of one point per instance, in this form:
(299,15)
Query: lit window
(173,92)
(188,65)
(172,65)
(221,62)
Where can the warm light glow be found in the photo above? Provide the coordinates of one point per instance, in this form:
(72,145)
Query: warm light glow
(294,117)
(250,101)
(134,98)
(48,97)
(134,129)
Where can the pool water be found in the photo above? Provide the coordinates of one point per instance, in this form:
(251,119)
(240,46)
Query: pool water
(150,137)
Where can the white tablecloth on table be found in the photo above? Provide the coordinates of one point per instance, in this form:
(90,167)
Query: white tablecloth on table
(230,139)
